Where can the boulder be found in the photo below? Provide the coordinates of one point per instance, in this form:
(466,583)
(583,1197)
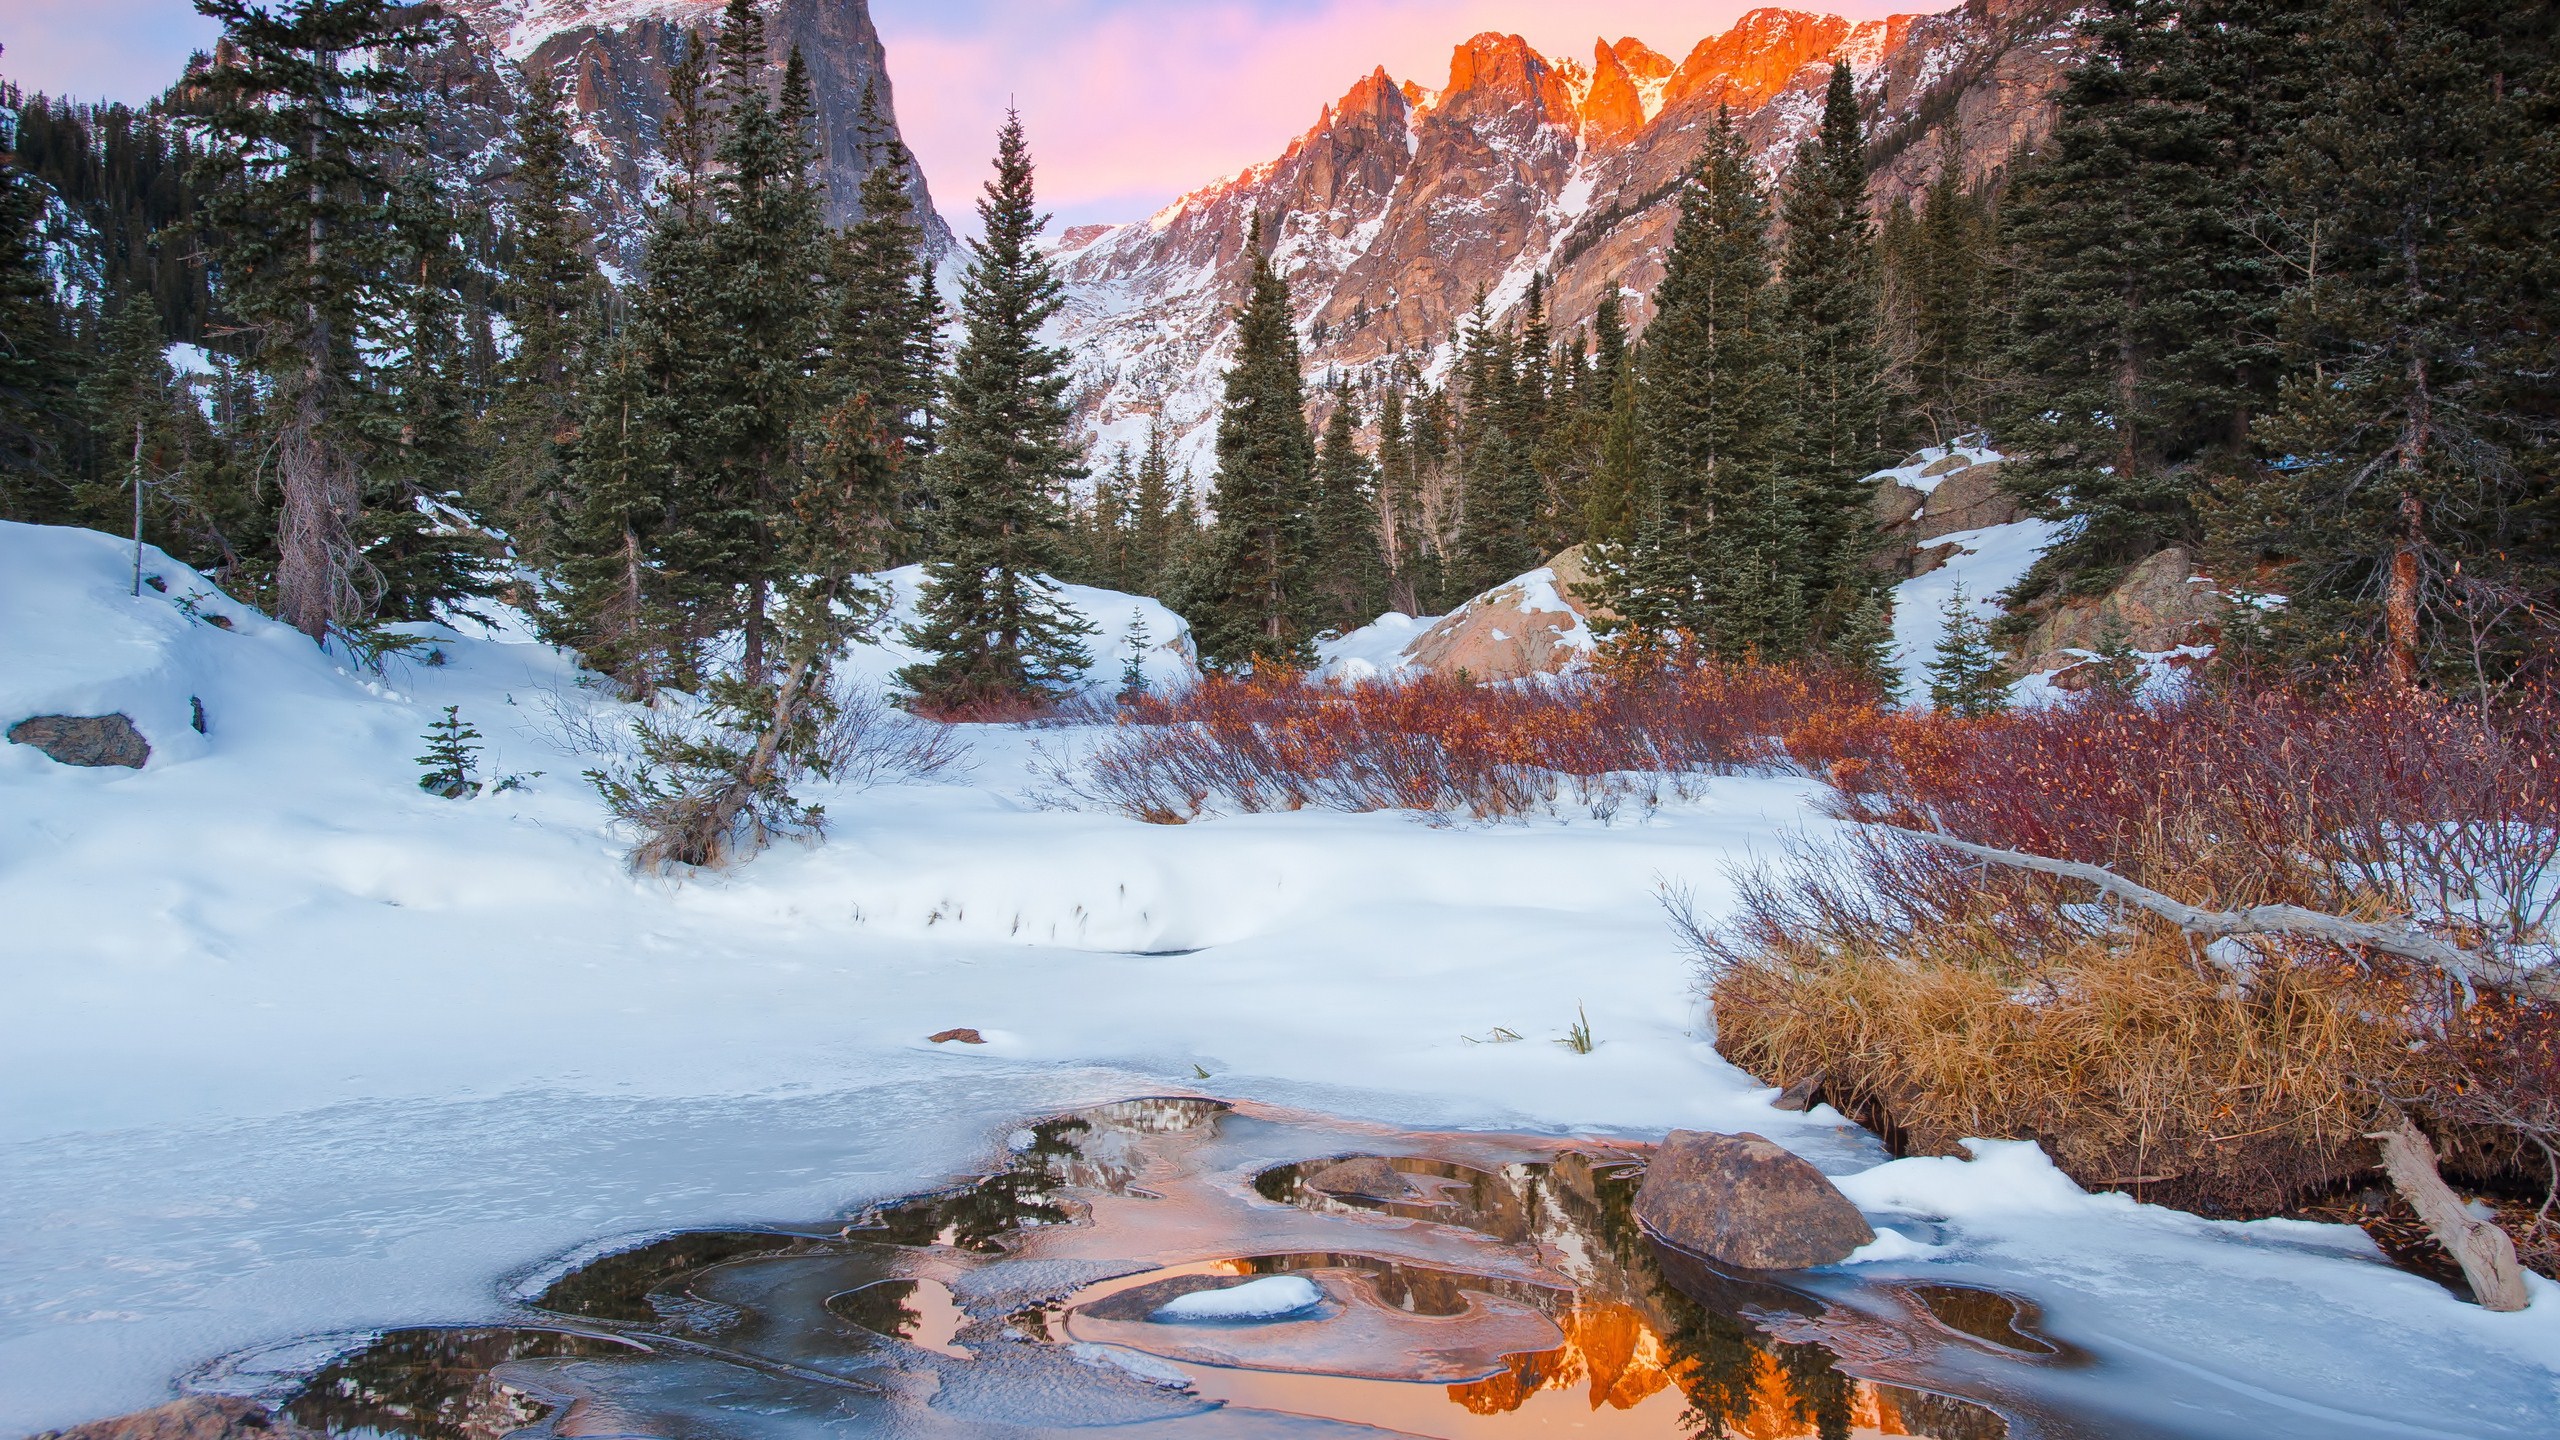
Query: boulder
(2161,604)
(1968,498)
(1366,1176)
(1532,625)
(91,740)
(198,1417)
(1743,1200)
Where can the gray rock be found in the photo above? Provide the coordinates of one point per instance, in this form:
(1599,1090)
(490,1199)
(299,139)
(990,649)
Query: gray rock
(92,740)
(198,1417)
(1366,1176)
(1743,1200)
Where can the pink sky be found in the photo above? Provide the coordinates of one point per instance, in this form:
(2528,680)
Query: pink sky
(1129,102)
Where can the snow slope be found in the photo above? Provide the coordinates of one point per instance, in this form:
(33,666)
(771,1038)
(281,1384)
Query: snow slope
(288,1046)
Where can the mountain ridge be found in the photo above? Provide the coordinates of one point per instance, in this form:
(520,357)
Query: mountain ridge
(1402,203)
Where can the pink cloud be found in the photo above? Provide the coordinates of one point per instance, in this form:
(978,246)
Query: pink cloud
(1131,102)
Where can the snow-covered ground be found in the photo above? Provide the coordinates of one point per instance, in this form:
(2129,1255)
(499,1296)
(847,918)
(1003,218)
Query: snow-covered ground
(288,1046)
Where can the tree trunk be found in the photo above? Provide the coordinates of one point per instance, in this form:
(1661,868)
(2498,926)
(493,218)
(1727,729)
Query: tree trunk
(2486,1255)
(2400,596)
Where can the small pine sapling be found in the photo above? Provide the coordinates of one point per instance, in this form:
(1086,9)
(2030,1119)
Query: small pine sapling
(449,756)
(1864,645)
(2118,670)
(1133,668)
(1964,675)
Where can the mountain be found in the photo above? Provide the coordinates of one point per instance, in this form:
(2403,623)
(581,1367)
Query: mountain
(615,55)
(1403,203)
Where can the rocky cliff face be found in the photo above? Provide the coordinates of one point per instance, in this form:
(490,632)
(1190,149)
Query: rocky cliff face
(614,56)
(1403,203)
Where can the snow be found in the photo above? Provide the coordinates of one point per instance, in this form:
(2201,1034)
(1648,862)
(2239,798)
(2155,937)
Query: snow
(1985,562)
(1374,651)
(289,1047)
(1272,1297)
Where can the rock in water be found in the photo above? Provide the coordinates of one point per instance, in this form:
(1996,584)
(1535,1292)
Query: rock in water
(1366,1176)
(92,740)
(198,1417)
(1742,1200)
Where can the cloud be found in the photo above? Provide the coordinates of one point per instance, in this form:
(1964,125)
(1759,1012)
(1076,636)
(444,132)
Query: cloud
(127,50)
(1131,102)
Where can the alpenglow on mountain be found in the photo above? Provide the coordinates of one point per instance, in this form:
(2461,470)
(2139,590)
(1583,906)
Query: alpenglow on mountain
(1403,203)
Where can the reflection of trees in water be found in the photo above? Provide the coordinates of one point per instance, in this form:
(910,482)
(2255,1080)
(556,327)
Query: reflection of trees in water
(433,1384)
(881,1307)
(617,1286)
(1633,1330)
(1014,1198)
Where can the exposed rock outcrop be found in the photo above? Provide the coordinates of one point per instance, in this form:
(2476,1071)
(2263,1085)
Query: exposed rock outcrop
(1744,1200)
(615,58)
(90,740)
(2160,606)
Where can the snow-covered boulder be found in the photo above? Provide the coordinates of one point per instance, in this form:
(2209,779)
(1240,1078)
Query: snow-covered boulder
(1532,624)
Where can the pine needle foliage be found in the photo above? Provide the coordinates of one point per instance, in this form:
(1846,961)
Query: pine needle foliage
(998,630)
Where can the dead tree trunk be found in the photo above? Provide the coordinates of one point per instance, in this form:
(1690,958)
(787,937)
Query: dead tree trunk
(2486,1255)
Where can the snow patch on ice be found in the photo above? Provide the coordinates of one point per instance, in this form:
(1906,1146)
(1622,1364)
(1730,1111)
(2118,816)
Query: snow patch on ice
(1273,1297)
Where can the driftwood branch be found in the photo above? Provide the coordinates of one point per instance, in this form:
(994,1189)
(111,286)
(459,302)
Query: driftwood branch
(2393,937)
(2485,1253)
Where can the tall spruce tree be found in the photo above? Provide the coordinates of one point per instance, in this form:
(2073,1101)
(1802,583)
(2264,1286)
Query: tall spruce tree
(1162,518)
(1499,508)
(310,117)
(1350,570)
(999,633)
(1253,604)
(741,458)
(2410,502)
(37,372)
(1717,521)
(551,295)
(2144,306)
(882,349)
(1832,301)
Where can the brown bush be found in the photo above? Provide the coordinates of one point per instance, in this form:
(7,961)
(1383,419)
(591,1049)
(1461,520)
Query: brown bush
(1950,999)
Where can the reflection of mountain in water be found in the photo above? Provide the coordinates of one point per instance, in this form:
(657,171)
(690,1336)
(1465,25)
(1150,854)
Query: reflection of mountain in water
(1507,1292)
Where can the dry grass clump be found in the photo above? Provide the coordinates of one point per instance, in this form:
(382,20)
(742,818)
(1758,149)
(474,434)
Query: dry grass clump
(1951,999)
(1970,1005)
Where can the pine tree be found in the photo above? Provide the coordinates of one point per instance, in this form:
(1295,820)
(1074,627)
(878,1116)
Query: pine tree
(2411,495)
(1942,255)
(882,355)
(551,296)
(1255,605)
(449,757)
(1864,645)
(1161,518)
(613,604)
(2143,304)
(1134,641)
(1965,671)
(740,459)
(311,115)
(1712,417)
(1499,525)
(1350,581)
(992,618)
(1832,299)
(37,371)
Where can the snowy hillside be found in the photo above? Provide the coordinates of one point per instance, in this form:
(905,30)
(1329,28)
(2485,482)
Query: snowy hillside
(292,1047)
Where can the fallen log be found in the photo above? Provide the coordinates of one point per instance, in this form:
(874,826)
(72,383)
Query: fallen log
(2485,1253)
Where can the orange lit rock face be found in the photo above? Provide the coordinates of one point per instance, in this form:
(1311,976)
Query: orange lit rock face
(1613,108)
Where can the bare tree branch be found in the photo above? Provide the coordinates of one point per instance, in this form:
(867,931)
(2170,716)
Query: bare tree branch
(2395,937)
